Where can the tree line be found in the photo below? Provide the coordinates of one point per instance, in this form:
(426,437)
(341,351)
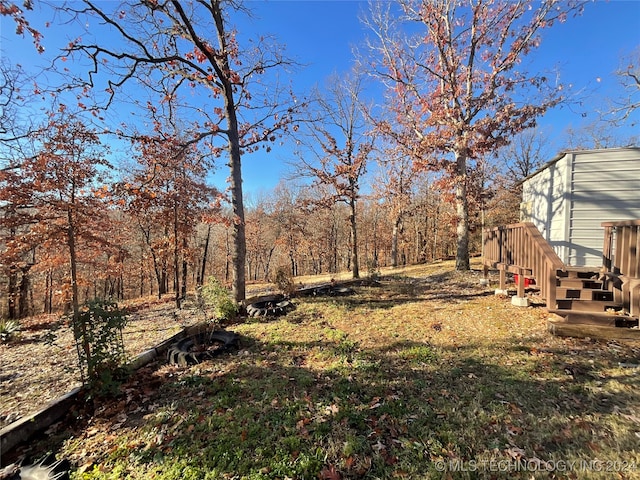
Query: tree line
(407,179)
(72,232)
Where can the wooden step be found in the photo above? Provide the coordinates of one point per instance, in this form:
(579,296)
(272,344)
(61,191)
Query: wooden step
(594,326)
(585,273)
(591,318)
(583,294)
(579,283)
(595,306)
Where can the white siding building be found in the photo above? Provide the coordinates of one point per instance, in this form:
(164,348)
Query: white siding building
(570,196)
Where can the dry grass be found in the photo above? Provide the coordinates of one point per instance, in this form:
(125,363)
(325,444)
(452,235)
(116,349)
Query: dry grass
(427,375)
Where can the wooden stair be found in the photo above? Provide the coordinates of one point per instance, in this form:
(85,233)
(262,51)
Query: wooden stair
(603,300)
(585,307)
(581,290)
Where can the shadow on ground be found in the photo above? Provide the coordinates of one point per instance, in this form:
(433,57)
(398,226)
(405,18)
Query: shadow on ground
(304,409)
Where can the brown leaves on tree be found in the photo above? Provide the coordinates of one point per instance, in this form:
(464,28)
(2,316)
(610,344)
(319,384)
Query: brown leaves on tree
(182,51)
(51,207)
(165,194)
(338,144)
(456,87)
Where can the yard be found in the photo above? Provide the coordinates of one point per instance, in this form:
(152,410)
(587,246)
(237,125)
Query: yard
(425,375)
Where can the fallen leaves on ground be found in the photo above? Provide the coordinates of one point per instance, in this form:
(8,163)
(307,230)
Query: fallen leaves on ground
(40,364)
(366,387)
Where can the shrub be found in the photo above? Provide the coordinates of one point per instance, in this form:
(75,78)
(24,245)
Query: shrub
(373,270)
(284,280)
(214,295)
(97,330)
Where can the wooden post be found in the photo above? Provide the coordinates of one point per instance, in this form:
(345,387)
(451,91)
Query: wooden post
(634,301)
(520,300)
(618,253)
(520,283)
(607,261)
(550,295)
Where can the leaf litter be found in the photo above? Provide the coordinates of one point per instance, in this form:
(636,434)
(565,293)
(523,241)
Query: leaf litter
(365,387)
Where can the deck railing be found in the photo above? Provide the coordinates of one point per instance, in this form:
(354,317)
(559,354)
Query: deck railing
(520,248)
(621,260)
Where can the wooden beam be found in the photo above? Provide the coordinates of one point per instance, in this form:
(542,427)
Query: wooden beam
(623,223)
(562,328)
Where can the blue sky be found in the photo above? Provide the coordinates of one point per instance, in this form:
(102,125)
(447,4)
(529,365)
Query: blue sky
(584,49)
(322,35)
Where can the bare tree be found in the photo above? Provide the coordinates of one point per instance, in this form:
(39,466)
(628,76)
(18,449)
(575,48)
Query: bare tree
(394,184)
(8,80)
(339,143)
(500,190)
(619,112)
(177,51)
(526,153)
(629,78)
(458,81)
(594,135)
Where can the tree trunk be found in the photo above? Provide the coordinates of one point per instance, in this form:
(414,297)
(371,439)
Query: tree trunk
(48,294)
(159,273)
(239,253)
(267,264)
(418,241)
(462,213)
(84,342)
(164,278)
(200,279)
(394,241)
(375,243)
(159,278)
(354,239)
(249,265)
(227,266)
(141,275)
(13,278)
(11,292)
(176,252)
(435,232)
(334,245)
(183,291)
(71,241)
(292,259)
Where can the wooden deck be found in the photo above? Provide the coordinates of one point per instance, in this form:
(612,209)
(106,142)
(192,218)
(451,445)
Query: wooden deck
(602,301)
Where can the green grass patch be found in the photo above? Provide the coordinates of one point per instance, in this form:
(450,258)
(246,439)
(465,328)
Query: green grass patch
(399,381)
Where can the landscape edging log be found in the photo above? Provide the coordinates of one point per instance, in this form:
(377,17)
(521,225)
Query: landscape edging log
(24,428)
(21,430)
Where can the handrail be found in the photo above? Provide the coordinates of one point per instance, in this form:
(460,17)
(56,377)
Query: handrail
(620,253)
(520,248)
(621,258)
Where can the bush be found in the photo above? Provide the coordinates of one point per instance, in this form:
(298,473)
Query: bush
(284,281)
(373,270)
(98,334)
(214,295)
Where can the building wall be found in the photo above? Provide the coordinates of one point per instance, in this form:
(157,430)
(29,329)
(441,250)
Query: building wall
(605,186)
(544,203)
(573,194)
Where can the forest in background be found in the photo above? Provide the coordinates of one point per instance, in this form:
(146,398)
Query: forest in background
(161,240)
(408,181)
